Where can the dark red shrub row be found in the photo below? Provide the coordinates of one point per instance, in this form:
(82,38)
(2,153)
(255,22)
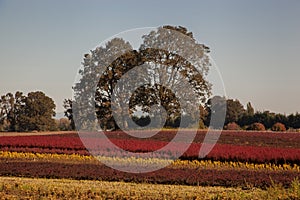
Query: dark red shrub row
(204,177)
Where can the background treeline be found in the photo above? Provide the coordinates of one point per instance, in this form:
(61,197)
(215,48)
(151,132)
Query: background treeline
(33,112)
(238,117)
(36,111)
(245,117)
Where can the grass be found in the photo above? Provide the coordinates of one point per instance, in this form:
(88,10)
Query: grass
(27,188)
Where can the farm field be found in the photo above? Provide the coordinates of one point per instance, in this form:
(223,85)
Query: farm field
(241,163)
(14,187)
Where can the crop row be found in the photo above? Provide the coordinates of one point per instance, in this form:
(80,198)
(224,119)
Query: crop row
(70,144)
(195,164)
(185,176)
(28,188)
(245,138)
(242,138)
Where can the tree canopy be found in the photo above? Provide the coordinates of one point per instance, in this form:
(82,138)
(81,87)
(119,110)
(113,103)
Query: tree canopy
(27,113)
(156,73)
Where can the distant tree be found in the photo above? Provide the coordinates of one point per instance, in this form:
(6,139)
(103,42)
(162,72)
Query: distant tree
(5,108)
(234,112)
(278,127)
(257,127)
(249,110)
(246,120)
(267,118)
(69,112)
(10,106)
(281,118)
(248,117)
(294,120)
(36,113)
(63,124)
(215,106)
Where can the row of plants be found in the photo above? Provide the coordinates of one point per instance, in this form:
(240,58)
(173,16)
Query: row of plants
(176,164)
(72,140)
(253,138)
(70,144)
(27,188)
(256,127)
(183,176)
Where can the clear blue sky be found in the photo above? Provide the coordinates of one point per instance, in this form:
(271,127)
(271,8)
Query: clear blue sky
(256,44)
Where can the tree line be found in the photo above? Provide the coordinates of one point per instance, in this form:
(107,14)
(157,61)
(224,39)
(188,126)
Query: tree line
(35,112)
(31,112)
(239,117)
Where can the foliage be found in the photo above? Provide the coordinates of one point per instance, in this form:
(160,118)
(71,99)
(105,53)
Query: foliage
(294,120)
(117,58)
(203,176)
(29,188)
(257,127)
(27,113)
(11,107)
(232,126)
(250,110)
(240,146)
(236,161)
(217,106)
(67,104)
(234,111)
(63,124)
(37,113)
(278,127)
(177,164)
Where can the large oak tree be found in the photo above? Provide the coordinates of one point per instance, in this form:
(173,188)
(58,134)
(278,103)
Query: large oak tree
(167,67)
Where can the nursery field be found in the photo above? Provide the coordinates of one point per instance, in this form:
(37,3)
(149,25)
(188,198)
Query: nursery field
(240,162)
(33,188)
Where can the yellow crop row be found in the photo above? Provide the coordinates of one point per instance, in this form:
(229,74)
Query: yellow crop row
(44,156)
(234,165)
(28,188)
(146,162)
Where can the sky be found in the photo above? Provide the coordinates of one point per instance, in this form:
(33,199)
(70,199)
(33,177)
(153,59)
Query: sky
(255,44)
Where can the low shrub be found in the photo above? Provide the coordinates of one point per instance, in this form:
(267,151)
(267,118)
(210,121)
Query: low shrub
(232,126)
(257,127)
(278,127)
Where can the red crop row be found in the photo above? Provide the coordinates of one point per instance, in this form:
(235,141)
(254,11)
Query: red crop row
(71,143)
(68,141)
(185,176)
(271,139)
(245,138)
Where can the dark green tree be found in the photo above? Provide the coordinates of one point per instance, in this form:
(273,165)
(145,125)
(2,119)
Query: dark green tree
(67,104)
(249,110)
(266,118)
(234,112)
(215,106)
(10,106)
(294,120)
(36,113)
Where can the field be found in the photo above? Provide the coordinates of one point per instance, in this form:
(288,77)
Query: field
(14,188)
(240,165)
